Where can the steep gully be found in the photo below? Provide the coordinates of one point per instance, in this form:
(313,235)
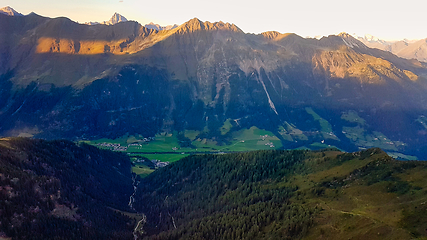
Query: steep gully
(139,226)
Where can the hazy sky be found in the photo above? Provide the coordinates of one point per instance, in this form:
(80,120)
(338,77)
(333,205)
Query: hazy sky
(384,19)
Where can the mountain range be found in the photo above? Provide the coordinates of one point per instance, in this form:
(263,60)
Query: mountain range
(61,79)
(409,49)
(116,18)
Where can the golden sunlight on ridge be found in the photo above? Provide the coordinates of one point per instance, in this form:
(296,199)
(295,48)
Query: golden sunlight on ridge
(369,69)
(85,47)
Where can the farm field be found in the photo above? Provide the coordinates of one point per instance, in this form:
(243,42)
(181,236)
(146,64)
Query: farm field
(166,147)
(142,170)
(173,146)
(169,143)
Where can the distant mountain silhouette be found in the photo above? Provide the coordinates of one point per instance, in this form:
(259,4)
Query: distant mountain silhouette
(409,49)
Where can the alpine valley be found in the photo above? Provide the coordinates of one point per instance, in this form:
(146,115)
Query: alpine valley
(63,190)
(327,117)
(62,79)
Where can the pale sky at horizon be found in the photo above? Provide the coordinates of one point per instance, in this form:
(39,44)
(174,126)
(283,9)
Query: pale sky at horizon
(383,19)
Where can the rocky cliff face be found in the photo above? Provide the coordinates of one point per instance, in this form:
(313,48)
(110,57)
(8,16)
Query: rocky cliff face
(62,79)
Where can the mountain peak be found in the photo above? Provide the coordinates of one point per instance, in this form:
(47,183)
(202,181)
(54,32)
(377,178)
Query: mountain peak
(195,24)
(270,34)
(10,11)
(116,18)
(350,41)
(344,35)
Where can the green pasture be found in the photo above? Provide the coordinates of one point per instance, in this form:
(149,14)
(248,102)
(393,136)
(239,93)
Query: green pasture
(353,117)
(142,170)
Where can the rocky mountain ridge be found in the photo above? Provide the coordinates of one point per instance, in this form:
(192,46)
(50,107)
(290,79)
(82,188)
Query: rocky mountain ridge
(155,26)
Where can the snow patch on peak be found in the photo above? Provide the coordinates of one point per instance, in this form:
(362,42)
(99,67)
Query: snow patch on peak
(371,38)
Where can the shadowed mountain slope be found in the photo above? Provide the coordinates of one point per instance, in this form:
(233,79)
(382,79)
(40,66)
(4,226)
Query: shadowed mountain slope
(61,190)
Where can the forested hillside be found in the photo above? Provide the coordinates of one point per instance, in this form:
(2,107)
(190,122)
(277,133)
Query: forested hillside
(61,190)
(285,195)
